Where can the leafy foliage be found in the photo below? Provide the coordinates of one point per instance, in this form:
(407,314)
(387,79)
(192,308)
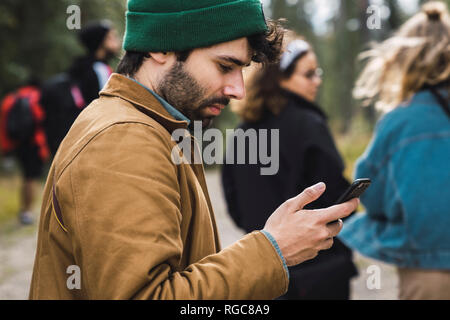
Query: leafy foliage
(34,38)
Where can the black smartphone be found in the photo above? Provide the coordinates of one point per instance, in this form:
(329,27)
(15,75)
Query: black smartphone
(355,190)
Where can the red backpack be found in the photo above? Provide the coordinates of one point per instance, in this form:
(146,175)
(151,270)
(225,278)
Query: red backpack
(21,118)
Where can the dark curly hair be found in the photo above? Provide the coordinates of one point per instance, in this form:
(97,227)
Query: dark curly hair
(266,49)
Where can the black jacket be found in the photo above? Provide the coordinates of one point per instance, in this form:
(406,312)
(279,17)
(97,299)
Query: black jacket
(83,74)
(307,155)
(58,101)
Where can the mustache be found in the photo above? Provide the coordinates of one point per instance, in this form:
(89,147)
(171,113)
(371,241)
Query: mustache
(208,102)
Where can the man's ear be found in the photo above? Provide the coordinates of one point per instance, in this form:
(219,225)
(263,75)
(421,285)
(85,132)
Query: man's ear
(161,57)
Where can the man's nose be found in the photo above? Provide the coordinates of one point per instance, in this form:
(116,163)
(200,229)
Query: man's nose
(235,87)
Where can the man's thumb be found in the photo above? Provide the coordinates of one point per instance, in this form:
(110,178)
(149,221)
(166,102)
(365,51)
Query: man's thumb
(308,195)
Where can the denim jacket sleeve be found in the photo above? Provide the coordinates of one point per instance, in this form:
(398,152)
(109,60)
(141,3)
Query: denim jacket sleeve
(406,212)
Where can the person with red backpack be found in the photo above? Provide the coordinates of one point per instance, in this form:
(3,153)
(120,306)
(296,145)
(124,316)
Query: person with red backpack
(22,135)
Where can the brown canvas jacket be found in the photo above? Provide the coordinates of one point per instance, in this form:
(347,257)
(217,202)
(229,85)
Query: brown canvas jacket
(137,225)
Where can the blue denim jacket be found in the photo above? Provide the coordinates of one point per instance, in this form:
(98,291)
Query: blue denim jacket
(407,218)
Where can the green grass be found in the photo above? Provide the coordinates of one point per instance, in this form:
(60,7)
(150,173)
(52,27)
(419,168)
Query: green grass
(9,198)
(353,144)
(351,148)
(10,203)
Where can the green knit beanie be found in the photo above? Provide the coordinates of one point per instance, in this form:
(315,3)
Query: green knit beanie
(178,25)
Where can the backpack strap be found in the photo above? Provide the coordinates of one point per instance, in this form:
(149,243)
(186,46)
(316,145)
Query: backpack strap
(77,96)
(57,209)
(6,144)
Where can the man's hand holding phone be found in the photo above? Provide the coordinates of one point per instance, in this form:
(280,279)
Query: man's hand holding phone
(300,233)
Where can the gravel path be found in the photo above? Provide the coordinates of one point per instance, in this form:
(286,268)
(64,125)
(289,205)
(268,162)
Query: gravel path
(18,245)
(17,249)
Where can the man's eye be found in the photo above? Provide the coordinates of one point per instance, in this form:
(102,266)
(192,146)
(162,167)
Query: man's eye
(225,68)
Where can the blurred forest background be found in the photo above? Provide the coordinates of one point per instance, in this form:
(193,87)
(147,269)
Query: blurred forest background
(35,41)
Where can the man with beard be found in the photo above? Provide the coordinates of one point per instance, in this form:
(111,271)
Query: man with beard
(126,222)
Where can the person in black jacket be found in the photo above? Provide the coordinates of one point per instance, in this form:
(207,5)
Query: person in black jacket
(282,96)
(66,94)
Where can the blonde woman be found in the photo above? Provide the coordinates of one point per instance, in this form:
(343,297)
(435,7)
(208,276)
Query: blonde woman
(407,218)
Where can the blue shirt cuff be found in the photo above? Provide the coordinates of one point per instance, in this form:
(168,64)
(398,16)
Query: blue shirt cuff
(277,248)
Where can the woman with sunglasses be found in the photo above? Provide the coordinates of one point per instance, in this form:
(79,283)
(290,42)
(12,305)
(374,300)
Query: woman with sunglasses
(282,96)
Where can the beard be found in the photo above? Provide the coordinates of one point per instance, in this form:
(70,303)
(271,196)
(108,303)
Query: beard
(184,93)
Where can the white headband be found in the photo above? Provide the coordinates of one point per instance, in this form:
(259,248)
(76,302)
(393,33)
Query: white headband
(293,50)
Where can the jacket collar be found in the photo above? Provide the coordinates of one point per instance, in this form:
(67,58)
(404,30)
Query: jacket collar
(121,86)
(302,102)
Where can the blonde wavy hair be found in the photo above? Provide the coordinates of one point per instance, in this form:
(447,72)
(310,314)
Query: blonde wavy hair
(416,56)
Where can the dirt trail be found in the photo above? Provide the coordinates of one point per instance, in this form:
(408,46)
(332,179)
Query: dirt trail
(18,245)
(17,249)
